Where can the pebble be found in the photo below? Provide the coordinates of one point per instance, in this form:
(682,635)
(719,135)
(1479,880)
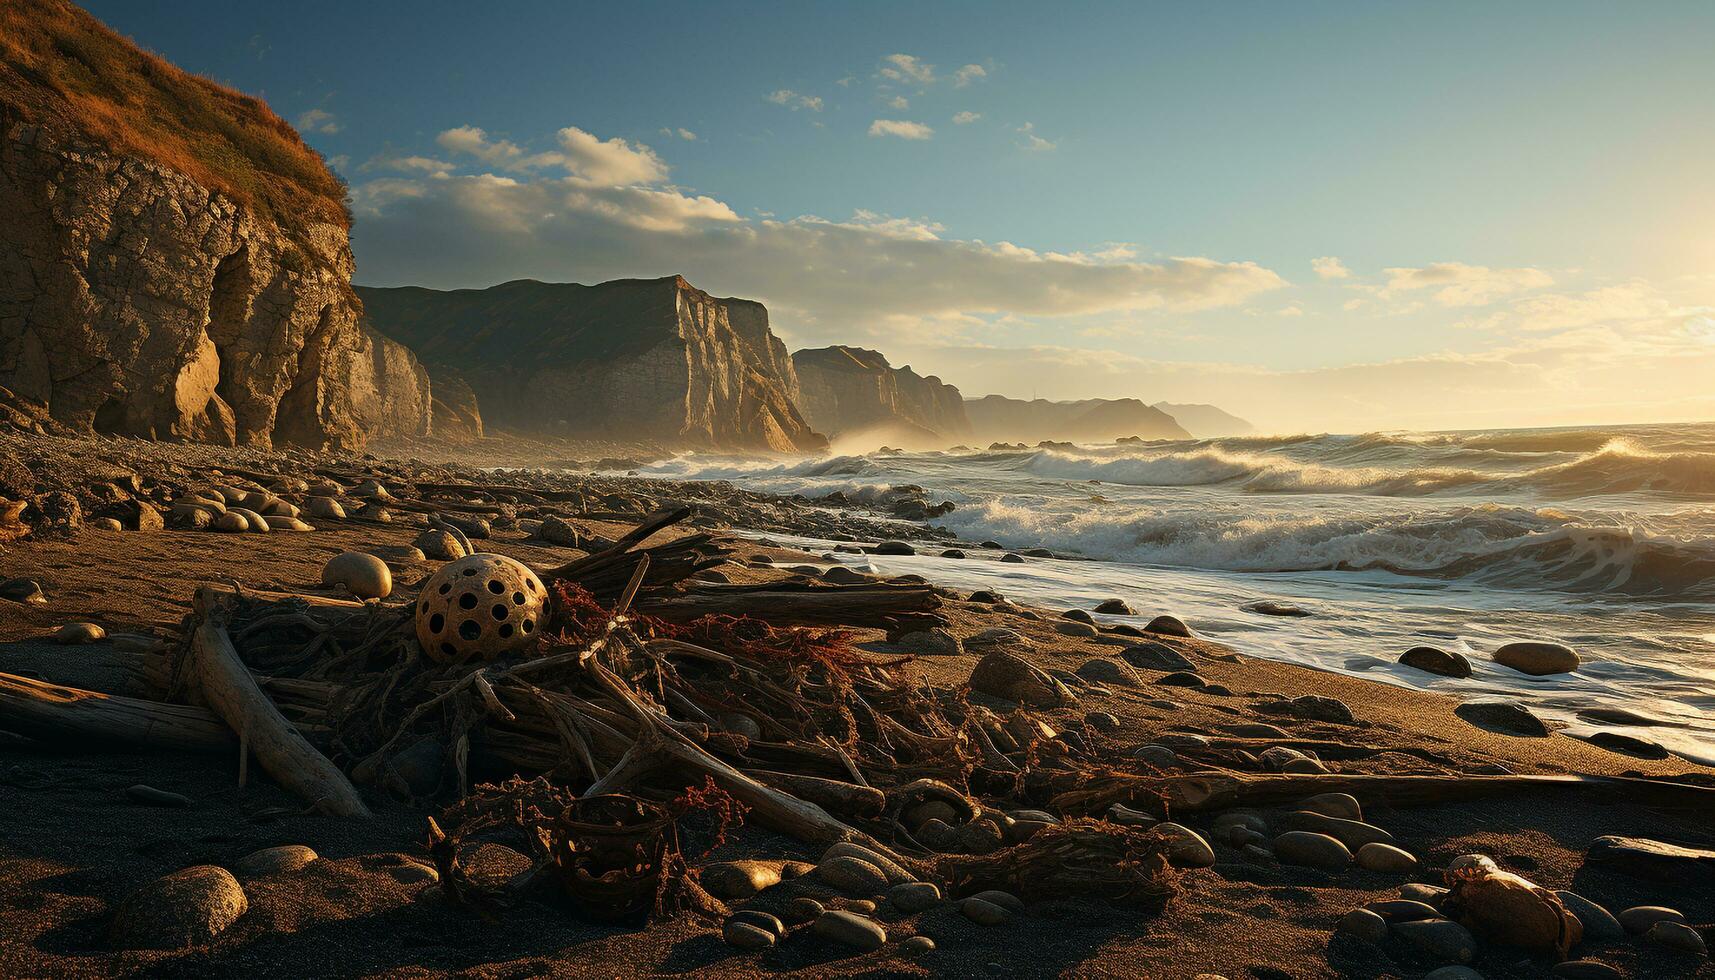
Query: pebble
(413,873)
(914,896)
(934,642)
(1342,805)
(1116,672)
(76,634)
(288,524)
(1011,559)
(893,548)
(1599,924)
(761,920)
(1363,924)
(1006,900)
(1377,856)
(852,875)
(1182,678)
(1440,938)
(186,908)
(106,524)
(231,522)
(1187,848)
(1073,628)
(1102,721)
(738,879)
(952,553)
(1352,833)
(150,796)
(1436,661)
(984,913)
(917,946)
(1679,936)
(1403,910)
(743,935)
(803,910)
(1312,707)
(1427,894)
(439,545)
(1115,607)
(274,860)
(1159,756)
(1151,655)
(1257,729)
(254,522)
(1312,850)
(1586,970)
(850,929)
(1620,742)
(1537,658)
(1638,919)
(361,574)
(325,508)
(895,874)
(1168,626)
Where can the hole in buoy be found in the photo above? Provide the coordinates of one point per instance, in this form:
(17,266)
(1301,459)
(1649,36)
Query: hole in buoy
(467,601)
(437,622)
(499,611)
(449,649)
(470,629)
(446,587)
(424,607)
(518,598)
(505,630)
(529,624)
(495,587)
(470,571)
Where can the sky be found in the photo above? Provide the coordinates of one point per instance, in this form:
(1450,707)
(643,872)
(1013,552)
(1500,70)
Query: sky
(1321,216)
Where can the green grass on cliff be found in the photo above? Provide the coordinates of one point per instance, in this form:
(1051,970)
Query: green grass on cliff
(59,64)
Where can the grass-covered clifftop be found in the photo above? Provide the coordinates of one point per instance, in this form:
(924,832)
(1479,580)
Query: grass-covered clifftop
(60,65)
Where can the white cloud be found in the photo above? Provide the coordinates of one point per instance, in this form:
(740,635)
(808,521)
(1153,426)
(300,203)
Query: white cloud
(907,68)
(968,74)
(681,133)
(1625,302)
(318,121)
(606,163)
(966,118)
(832,281)
(794,100)
(901,128)
(1458,284)
(1033,141)
(1293,310)
(474,141)
(409,164)
(899,102)
(1330,267)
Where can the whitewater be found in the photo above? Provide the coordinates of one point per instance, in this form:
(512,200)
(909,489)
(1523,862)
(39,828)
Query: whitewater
(1602,538)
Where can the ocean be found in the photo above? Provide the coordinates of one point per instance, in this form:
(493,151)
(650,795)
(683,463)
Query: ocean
(1602,538)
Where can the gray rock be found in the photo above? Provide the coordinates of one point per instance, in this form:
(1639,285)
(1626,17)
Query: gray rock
(1301,847)
(1187,848)
(1538,658)
(1159,756)
(985,913)
(77,634)
(1168,626)
(1115,672)
(746,935)
(917,946)
(850,929)
(439,545)
(1377,856)
(1311,707)
(1503,718)
(852,875)
(1155,656)
(914,896)
(1363,924)
(1639,919)
(1403,910)
(738,879)
(1076,629)
(186,908)
(1600,926)
(1430,895)
(893,548)
(761,920)
(1342,805)
(363,575)
(1352,833)
(1679,936)
(1440,938)
(274,860)
(1115,607)
(1437,661)
(803,909)
(324,508)
(1625,744)
(934,642)
(1182,678)
(1011,678)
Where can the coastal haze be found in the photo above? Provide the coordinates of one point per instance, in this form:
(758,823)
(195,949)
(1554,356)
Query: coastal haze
(1239,479)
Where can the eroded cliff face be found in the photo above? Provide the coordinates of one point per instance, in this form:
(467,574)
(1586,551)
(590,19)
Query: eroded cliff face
(652,359)
(135,301)
(847,389)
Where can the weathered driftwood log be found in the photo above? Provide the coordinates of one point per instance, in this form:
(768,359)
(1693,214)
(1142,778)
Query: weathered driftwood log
(54,713)
(867,604)
(842,799)
(230,689)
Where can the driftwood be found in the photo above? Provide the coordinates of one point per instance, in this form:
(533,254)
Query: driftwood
(231,690)
(875,605)
(55,713)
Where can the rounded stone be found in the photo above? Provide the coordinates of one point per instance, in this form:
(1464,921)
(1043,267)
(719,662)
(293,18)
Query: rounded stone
(914,896)
(1186,848)
(326,508)
(254,521)
(852,875)
(1168,626)
(274,860)
(1639,919)
(917,946)
(1363,924)
(1430,895)
(1479,862)
(361,574)
(850,929)
(1599,924)
(1115,607)
(1159,756)
(289,524)
(439,545)
(1102,721)
(1537,657)
(73,634)
(186,908)
(743,935)
(1312,850)
(106,524)
(803,909)
(1443,939)
(1679,936)
(985,913)
(1342,805)
(1074,628)
(1436,661)
(231,522)
(1377,856)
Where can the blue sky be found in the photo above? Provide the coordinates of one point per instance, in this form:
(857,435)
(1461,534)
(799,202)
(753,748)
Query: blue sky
(1511,202)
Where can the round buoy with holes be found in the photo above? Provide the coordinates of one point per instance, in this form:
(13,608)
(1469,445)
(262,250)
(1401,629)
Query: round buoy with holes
(479,607)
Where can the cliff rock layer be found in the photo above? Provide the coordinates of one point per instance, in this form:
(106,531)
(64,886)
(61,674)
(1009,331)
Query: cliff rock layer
(651,359)
(173,260)
(997,418)
(847,389)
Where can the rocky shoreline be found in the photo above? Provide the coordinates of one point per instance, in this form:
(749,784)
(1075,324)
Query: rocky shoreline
(1375,831)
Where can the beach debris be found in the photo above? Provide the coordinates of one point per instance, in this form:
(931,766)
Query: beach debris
(362,574)
(1503,907)
(613,853)
(479,607)
(1652,858)
(1537,657)
(186,908)
(22,590)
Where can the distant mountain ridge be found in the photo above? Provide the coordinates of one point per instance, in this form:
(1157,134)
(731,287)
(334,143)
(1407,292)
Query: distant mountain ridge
(996,418)
(653,359)
(845,390)
(1207,421)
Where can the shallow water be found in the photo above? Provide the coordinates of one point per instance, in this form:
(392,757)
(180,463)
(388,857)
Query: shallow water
(1602,538)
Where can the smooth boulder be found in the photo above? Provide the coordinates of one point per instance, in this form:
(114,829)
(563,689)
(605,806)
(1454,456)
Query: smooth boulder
(186,908)
(1436,661)
(1538,658)
(360,573)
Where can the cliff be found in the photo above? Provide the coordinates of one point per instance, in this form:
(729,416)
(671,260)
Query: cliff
(174,261)
(1207,421)
(653,359)
(848,389)
(999,419)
